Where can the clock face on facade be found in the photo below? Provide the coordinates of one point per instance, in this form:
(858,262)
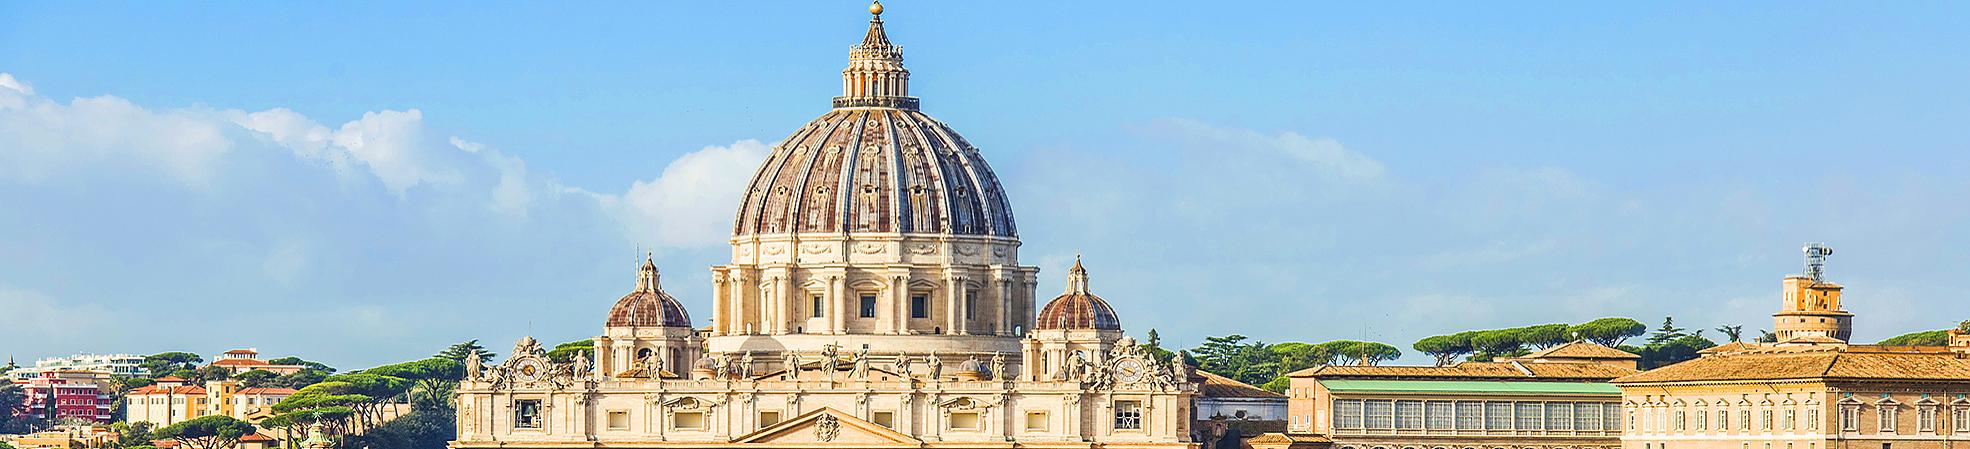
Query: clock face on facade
(529,370)
(1128,369)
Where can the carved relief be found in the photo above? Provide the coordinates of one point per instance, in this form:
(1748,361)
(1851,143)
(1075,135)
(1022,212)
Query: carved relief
(817,248)
(968,250)
(826,428)
(923,249)
(869,248)
(774,250)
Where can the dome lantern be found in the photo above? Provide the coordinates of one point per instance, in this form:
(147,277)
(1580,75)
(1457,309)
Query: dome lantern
(648,305)
(1078,308)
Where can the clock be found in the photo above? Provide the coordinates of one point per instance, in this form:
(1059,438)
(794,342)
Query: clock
(1129,369)
(529,370)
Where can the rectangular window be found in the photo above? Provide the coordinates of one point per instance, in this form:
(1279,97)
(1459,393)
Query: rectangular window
(868,306)
(820,305)
(964,421)
(1381,415)
(1587,416)
(1409,415)
(1925,419)
(1441,415)
(1887,414)
(769,418)
(1744,420)
(1559,416)
(1812,419)
(1611,416)
(1128,415)
(1961,417)
(1765,420)
(618,420)
(1679,421)
(970,305)
(526,414)
(1850,419)
(885,419)
(1470,415)
(1497,415)
(1529,416)
(1723,420)
(1347,414)
(687,420)
(1036,421)
(1790,419)
(1702,421)
(919,306)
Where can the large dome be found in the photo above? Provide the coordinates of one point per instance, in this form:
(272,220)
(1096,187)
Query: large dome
(648,305)
(875,164)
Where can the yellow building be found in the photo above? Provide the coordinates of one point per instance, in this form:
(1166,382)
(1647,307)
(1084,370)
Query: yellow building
(1558,398)
(172,400)
(1810,390)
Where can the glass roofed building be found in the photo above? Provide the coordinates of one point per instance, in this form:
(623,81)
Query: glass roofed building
(1558,398)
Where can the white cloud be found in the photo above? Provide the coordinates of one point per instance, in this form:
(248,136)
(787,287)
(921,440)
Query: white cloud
(40,137)
(34,313)
(691,203)
(1323,154)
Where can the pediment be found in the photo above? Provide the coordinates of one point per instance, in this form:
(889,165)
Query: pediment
(828,426)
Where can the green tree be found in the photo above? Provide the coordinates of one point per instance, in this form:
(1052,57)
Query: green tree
(165,363)
(1924,338)
(1667,332)
(1609,332)
(457,352)
(300,379)
(565,352)
(1497,342)
(13,401)
(1765,336)
(432,380)
(420,429)
(1445,348)
(297,361)
(132,433)
(208,432)
(1155,347)
(1545,335)
(256,378)
(214,372)
(1734,333)
(1674,351)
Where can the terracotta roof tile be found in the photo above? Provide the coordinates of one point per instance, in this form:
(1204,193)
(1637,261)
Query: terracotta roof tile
(1215,386)
(1581,350)
(1821,363)
(270,391)
(1482,370)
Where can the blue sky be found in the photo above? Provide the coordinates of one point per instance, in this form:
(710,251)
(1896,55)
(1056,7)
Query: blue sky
(366,182)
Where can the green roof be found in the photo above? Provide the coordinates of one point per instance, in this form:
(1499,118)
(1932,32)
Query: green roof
(1470,386)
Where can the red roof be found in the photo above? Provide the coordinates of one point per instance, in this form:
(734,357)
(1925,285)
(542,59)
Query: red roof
(154,389)
(170,379)
(242,351)
(268,391)
(256,436)
(236,362)
(164,444)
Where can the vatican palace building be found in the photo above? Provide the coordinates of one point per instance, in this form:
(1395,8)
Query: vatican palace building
(874,298)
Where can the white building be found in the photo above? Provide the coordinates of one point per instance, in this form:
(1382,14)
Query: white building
(874,298)
(125,365)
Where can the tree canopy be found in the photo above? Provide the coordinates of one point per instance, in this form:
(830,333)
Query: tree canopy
(207,432)
(166,363)
(1609,332)
(1923,338)
(1266,365)
(566,352)
(457,352)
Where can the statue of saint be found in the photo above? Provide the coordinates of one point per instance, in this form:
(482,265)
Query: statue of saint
(903,365)
(473,364)
(745,365)
(936,365)
(792,363)
(860,369)
(999,365)
(581,369)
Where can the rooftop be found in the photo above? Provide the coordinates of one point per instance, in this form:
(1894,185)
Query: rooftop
(1545,371)
(1467,386)
(1215,386)
(1858,362)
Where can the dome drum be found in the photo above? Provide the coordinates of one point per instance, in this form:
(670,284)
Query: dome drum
(866,250)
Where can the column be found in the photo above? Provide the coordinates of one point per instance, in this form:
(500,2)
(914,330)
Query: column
(840,302)
(1004,325)
(718,300)
(899,304)
(951,299)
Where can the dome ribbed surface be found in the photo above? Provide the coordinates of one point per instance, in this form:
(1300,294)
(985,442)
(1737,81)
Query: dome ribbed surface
(1078,311)
(648,305)
(880,170)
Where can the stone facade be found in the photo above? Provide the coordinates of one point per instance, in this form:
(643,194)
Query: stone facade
(874,299)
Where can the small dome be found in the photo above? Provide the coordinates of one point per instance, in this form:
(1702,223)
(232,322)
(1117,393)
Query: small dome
(648,305)
(974,366)
(707,363)
(1078,308)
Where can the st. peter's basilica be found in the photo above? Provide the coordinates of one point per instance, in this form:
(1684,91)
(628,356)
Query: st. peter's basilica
(874,299)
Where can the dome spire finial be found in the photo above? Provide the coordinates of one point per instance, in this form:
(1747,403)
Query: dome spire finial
(875,76)
(646,276)
(1077,277)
